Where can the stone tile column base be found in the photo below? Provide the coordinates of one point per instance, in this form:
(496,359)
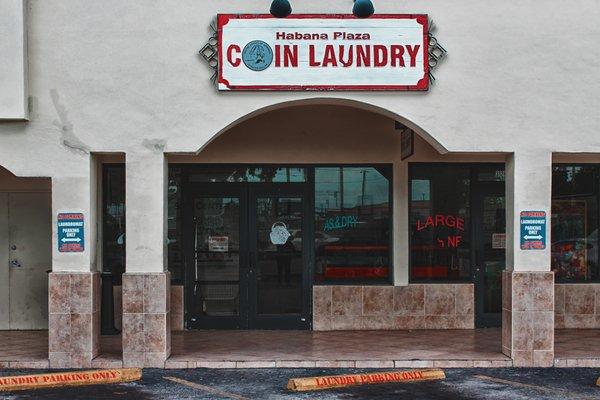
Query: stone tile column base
(146,319)
(73,319)
(528,318)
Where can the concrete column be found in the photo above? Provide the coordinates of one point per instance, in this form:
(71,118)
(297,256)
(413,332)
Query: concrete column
(528,282)
(146,284)
(74,284)
(401,223)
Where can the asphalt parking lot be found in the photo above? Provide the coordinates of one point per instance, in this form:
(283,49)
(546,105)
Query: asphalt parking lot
(502,383)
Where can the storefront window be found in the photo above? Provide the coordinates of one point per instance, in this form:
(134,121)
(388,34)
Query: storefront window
(440,223)
(113,219)
(353,224)
(575,223)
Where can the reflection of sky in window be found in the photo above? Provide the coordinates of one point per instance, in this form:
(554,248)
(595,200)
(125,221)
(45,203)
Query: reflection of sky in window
(421,190)
(327,187)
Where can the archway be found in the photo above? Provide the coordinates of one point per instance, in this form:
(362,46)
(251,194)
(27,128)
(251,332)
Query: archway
(358,281)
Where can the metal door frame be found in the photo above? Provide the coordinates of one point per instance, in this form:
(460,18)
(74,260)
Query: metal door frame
(302,321)
(479,190)
(247,193)
(198,321)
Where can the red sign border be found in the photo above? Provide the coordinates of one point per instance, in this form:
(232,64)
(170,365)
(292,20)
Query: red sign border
(422,85)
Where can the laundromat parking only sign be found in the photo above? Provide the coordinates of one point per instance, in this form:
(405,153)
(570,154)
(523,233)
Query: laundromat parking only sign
(533,230)
(323,52)
(70,233)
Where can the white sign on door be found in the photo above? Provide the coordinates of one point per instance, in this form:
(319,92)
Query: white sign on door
(323,52)
(218,244)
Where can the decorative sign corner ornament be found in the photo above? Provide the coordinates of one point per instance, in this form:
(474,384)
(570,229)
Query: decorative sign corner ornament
(395,52)
(435,50)
(210,51)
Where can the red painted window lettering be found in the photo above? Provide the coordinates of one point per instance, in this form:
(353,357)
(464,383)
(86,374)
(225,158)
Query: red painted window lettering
(448,221)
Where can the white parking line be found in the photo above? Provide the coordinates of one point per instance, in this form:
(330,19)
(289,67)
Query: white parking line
(565,393)
(205,388)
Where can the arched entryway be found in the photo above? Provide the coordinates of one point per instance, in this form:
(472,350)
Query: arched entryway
(336,169)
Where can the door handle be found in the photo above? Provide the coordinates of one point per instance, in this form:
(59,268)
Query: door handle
(250,261)
(15,264)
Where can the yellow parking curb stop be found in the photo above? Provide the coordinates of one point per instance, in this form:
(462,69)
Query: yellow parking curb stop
(75,378)
(337,381)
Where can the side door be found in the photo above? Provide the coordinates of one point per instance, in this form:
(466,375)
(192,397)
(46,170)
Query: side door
(4,264)
(30,257)
(489,243)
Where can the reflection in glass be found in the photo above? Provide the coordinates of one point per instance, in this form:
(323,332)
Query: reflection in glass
(574,248)
(248,174)
(217,256)
(352,224)
(279,255)
(113,220)
(494,245)
(174,239)
(440,223)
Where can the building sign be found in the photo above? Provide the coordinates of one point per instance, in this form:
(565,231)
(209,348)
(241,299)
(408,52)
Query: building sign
(533,230)
(323,52)
(70,233)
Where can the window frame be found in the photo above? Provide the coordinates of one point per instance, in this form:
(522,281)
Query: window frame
(105,172)
(349,282)
(596,192)
(473,169)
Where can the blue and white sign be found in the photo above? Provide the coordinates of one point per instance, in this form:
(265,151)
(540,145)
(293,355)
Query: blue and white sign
(533,230)
(70,233)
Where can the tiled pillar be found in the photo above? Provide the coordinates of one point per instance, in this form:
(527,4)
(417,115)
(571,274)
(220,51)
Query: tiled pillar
(74,319)
(73,285)
(146,283)
(146,319)
(528,318)
(528,283)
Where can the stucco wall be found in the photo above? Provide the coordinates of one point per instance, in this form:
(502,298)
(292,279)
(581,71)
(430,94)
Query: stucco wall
(118,76)
(135,77)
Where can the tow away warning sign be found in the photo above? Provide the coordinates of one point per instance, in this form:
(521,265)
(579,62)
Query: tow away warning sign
(533,230)
(70,233)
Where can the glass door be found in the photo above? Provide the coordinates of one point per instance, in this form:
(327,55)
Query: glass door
(489,231)
(279,282)
(248,257)
(217,280)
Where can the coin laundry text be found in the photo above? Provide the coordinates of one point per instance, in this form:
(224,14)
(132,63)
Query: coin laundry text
(343,55)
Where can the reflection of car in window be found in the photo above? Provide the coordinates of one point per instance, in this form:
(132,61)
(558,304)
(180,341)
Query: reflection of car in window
(321,239)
